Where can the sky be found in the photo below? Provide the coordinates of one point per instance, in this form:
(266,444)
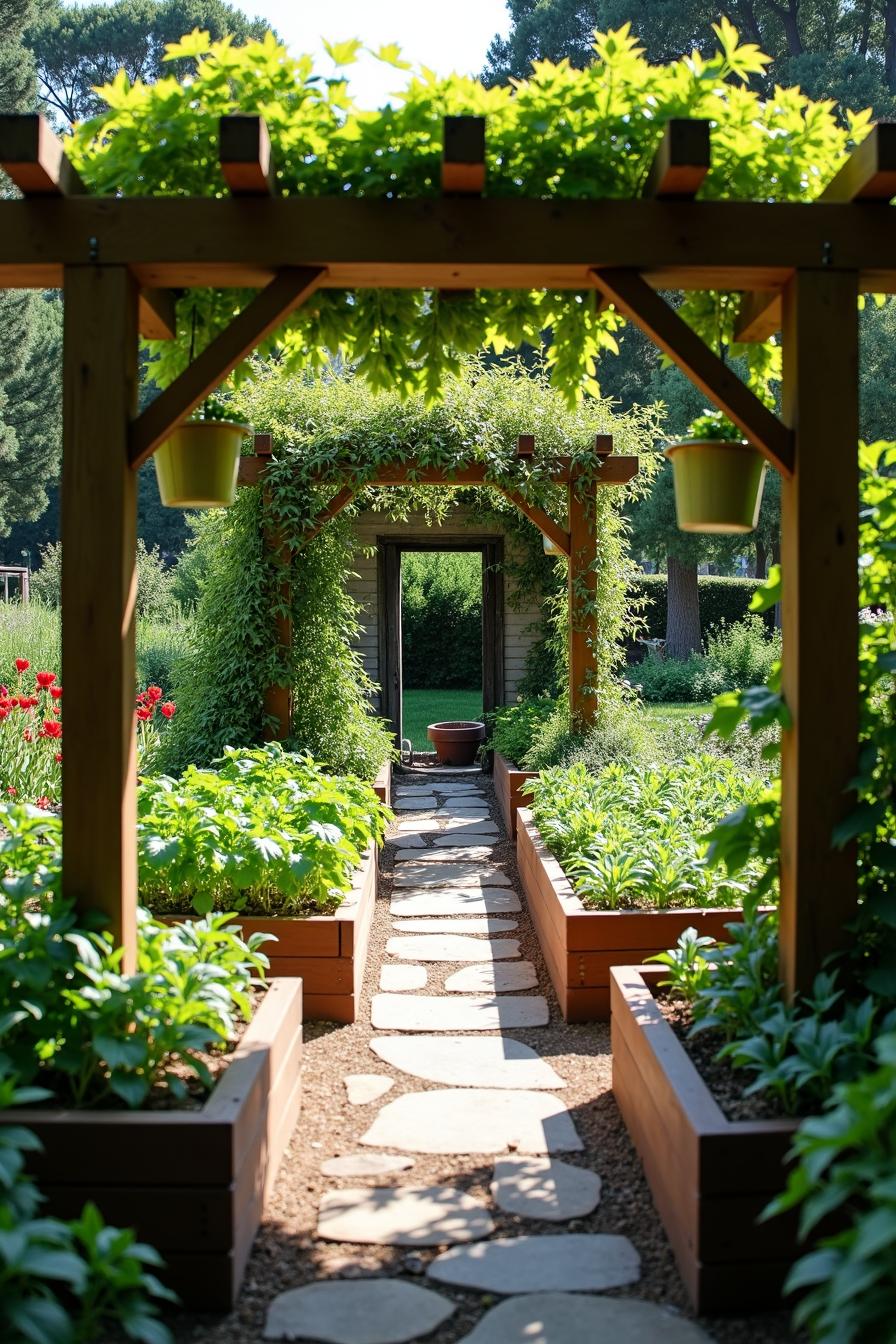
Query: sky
(443,37)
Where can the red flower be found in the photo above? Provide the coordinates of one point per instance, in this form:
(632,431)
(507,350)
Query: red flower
(43,801)
(22,664)
(12,792)
(51,728)
(27,735)
(4,713)
(45,680)
(168,709)
(4,691)
(26,701)
(153,694)
(56,692)
(58,758)
(144,714)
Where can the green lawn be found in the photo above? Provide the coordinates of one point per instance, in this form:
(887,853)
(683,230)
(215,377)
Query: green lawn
(422,708)
(678,711)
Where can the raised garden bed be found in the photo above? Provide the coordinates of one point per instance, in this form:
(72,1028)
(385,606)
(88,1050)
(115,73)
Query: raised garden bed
(510,789)
(329,952)
(580,945)
(710,1177)
(192,1183)
(382,785)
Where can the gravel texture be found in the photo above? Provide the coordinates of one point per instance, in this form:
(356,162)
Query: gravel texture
(287,1253)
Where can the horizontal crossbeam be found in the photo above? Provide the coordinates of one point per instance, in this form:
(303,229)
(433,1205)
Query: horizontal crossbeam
(466,243)
(617,469)
(258,319)
(632,296)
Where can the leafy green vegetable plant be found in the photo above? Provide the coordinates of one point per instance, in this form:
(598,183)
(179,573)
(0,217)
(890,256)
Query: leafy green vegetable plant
(72,1021)
(632,836)
(67,1282)
(268,832)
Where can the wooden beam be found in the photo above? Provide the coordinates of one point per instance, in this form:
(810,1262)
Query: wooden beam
(157,312)
(278,696)
(634,297)
(759,315)
(32,155)
(616,469)
(542,521)
(230,347)
(681,161)
(582,589)
(99,599)
(244,152)
(525,445)
(869,174)
(603,445)
(329,511)
(463,156)
(819,607)
(462,242)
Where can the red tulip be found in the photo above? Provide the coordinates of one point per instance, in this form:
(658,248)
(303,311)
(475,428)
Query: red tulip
(45,680)
(154,694)
(4,690)
(22,664)
(43,801)
(28,735)
(51,728)
(58,758)
(144,714)
(168,709)
(56,692)
(12,792)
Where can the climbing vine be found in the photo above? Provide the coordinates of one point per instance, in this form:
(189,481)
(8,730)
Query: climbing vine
(561,133)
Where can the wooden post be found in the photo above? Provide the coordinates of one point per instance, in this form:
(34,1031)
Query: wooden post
(99,591)
(819,557)
(582,583)
(277,698)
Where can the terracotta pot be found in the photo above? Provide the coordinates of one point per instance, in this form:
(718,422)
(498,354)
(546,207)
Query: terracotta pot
(197,465)
(456,741)
(718,485)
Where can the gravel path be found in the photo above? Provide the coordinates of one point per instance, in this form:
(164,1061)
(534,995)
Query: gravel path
(288,1252)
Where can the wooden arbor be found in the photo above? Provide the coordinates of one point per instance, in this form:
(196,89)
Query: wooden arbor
(578,544)
(118,261)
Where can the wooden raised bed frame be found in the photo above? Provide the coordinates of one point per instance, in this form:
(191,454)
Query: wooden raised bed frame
(382,785)
(710,1177)
(329,952)
(510,789)
(579,945)
(192,1183)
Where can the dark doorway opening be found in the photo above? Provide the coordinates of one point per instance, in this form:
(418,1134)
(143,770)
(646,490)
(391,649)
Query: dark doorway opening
(438,634)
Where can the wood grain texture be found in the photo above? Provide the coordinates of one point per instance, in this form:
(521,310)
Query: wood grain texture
(33,157)
(510,789)
(633,296)
(98,513)
(262,315)
(681,161)
(759,315)
(869,174)
(819,611)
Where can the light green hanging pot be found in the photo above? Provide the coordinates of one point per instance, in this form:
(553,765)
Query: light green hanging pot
(197,465)
(718,484)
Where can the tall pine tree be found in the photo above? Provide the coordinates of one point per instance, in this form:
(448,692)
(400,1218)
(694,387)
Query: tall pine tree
(30,329)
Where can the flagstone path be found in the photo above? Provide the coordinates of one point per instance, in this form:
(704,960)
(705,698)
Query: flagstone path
(460,1172)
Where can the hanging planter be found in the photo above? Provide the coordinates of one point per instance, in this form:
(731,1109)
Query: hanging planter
(718,479)
(197,466)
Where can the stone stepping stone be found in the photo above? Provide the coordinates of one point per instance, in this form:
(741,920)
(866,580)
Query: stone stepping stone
(477,1120)
(394,979)
(450,787)
(373,1311)
(463,809)
(477,925)
(464,1061)
(448,875)
(451,947)
(403,1215)
(503,979)
(543,1187)
(421,1012)
(413,840)
(456,854)
(407,803)
(365,1164)
(363,1088)
(572,1262)
(463,841)
(456,901)
(477,826)
(569,1318)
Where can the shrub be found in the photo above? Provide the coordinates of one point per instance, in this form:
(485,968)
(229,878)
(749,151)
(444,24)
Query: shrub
(71,1021)
(266,832)
(513,728)
(155,598)
(723,601)
(441,619)
(631,837)
(736,656)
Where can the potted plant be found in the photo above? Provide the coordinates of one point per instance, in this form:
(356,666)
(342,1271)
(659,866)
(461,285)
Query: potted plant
(718,477)
(197,465)
(456,741)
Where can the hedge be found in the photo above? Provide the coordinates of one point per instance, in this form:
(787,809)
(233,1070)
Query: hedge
(721,600)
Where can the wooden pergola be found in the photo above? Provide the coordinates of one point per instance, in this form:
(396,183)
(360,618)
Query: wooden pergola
(800,266)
